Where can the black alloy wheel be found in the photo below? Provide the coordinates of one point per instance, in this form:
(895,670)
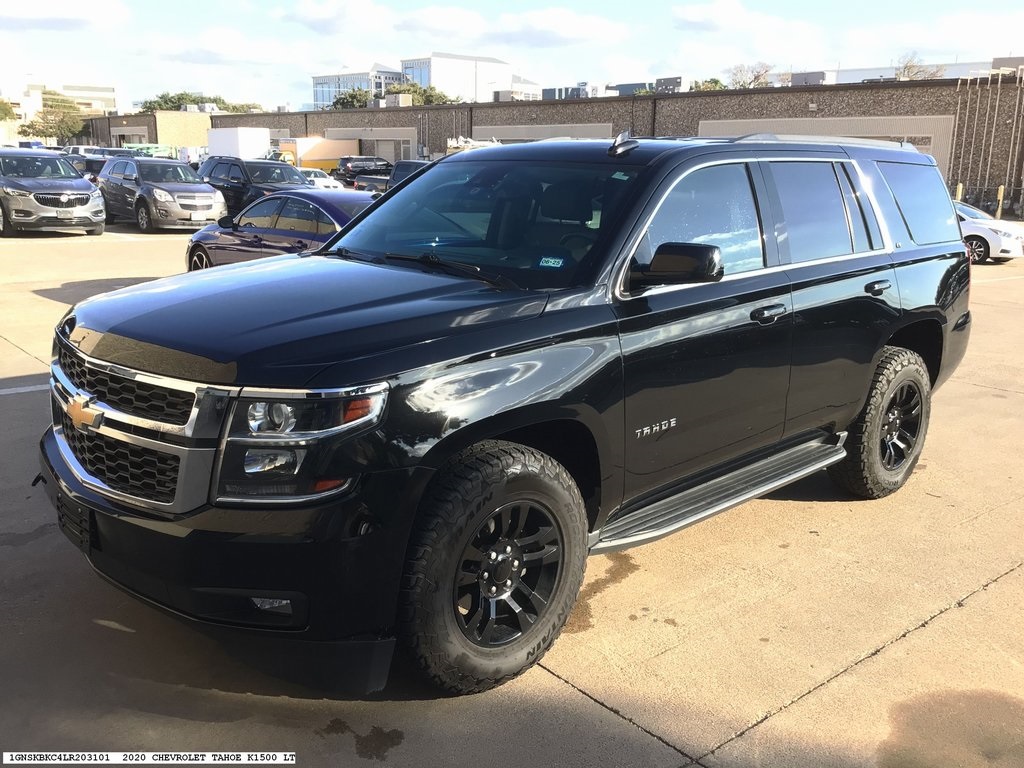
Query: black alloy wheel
(507,574)
(494,565)
(885,442)
(902,426)
(977,249)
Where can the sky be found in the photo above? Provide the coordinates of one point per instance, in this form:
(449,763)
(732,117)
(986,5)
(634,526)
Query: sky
(267,51)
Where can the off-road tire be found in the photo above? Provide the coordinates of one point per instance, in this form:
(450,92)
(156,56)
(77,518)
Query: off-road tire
(473,491)
(899,375)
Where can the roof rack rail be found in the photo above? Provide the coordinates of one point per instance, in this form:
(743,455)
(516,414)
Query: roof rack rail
(847,140)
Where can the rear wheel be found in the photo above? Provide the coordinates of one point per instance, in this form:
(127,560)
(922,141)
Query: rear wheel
(977,249)
(494,566)
(886,440)
(198,259)
(143,217)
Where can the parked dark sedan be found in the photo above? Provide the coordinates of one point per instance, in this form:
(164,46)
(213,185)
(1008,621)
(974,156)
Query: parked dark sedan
(286,222)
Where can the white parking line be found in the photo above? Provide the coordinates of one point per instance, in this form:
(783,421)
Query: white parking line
(23,390)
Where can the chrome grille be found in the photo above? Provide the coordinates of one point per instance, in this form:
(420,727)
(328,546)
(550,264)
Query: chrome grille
(124,467)
(135,398)
(60,200)
(195,206)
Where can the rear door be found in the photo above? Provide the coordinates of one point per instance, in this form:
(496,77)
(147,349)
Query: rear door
(706,366)
(845,296)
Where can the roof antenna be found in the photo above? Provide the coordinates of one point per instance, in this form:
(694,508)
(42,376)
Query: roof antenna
(622,144)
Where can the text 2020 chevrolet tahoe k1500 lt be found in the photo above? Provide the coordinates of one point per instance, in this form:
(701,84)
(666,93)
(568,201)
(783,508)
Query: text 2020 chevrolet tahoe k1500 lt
(527,355)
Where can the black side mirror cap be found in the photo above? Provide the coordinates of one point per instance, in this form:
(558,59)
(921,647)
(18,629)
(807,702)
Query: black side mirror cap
(226,222)
(679,264)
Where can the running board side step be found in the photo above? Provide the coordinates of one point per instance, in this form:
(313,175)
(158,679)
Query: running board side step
(691,506)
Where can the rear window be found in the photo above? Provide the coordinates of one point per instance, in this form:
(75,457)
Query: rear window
(923,201)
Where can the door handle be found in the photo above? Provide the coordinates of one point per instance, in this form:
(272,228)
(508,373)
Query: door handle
(767,315)
(878,287)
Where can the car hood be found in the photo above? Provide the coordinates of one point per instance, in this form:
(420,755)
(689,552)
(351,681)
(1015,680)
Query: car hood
(178,188)
(277,322)
(49,185)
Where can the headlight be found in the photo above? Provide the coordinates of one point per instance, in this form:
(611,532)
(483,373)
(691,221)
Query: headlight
(162,196)
(284,446)
(218,196)
(16,192)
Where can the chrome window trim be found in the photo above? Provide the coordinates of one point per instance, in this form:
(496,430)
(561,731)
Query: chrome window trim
(618,283)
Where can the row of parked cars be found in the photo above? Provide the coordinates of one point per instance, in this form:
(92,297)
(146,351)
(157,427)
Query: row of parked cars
(251,208)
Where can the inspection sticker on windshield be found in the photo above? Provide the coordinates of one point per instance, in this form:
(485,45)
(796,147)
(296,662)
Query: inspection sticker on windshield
(551,261)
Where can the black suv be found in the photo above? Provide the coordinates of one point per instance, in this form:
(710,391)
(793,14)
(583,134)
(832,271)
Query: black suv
(351,166)
(529,354)
(242,181)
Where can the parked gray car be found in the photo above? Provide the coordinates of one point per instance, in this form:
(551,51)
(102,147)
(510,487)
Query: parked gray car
(40,190)
(158,193)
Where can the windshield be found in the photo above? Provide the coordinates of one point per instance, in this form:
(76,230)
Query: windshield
(167,173)
(539,224)
(37,168)
(275,173)
(313,173)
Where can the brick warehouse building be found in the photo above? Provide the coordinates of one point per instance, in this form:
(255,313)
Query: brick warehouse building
(973,126)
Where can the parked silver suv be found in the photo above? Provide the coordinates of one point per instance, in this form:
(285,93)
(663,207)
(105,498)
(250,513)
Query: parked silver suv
(41,190)
(156,192)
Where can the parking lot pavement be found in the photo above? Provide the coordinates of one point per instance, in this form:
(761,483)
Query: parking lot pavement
(803,629)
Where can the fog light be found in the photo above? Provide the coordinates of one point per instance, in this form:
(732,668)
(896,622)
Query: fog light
(273,605)
(271,460)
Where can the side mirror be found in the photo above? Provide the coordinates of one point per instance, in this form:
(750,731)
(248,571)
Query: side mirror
(226,222)
(679,264)
(130,177)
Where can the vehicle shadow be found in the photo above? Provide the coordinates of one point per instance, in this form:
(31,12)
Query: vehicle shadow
(72,293)
(816,487)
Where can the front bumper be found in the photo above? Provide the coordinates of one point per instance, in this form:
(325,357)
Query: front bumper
(26,213)
(173,216)
(339,563)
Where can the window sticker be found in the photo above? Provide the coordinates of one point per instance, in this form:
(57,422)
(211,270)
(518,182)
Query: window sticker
(551,261)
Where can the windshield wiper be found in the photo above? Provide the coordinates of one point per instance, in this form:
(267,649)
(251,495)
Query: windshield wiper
(455,268)
(346,253)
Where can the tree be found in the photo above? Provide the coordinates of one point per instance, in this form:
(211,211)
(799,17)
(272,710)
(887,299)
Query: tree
(910,67)
(356,98)
(711,84)
(175,101)
(51,123)
(421,95)
(7,111)
(749,75)
(643,92)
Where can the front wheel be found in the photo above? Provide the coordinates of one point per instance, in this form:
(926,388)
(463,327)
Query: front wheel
(143,218)
(977,249)
(885,442)
(494,566)
(98,230)
(198,259)
(6,228)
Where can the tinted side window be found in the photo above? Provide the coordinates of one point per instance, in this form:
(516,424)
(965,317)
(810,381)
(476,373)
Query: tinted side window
(220,172)
(119,168)
(324,224)
(713,205)
(260,214)
(923,200)
(235,174)
(297,216)
(812,204)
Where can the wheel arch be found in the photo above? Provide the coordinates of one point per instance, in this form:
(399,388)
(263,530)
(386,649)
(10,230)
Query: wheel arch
(925,338)
(571,442)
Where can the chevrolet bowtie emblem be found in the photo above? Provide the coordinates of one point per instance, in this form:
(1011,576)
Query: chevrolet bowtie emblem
(82,415)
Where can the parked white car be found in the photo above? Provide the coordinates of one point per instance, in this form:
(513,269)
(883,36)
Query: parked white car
(320,179)
(988,238)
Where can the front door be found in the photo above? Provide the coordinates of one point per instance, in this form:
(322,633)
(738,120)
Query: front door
(706,366)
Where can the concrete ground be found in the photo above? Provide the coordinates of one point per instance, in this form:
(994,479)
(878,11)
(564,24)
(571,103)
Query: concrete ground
(800,630)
